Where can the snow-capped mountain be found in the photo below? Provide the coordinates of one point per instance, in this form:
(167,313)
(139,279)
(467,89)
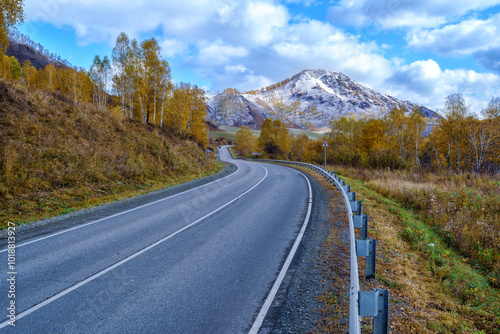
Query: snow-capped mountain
(309,99)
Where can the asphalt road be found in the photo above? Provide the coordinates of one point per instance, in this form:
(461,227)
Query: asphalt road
(200,261)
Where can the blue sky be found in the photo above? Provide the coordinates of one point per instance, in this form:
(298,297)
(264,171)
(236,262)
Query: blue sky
(418,50)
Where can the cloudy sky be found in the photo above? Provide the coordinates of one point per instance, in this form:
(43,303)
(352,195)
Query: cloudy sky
(418,50)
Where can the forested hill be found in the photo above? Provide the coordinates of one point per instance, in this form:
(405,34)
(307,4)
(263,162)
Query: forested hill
(57,155)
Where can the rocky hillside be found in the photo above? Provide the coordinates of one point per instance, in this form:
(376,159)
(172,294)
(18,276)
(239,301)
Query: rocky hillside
(309,99)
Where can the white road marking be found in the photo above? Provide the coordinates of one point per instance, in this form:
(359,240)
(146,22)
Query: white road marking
(274,290)
(118,214)
(93,277)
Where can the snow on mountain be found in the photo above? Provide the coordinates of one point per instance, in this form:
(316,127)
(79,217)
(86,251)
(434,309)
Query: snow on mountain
(309,99)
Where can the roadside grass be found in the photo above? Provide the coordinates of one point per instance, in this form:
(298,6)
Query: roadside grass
(433,288)
(64,201)
(231,150)
(464,209)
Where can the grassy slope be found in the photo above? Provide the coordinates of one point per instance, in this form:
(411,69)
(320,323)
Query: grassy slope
(56,157)
(433,288)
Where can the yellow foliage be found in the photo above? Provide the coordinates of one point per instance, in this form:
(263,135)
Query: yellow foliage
(246,141)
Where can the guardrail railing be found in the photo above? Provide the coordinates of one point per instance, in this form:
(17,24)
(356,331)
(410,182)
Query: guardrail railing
(361,303)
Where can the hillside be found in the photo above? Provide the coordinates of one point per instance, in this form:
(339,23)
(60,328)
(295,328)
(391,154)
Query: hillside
(309,99)
(23,52)
(57,157)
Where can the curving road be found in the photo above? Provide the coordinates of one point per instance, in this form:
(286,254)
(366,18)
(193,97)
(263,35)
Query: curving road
(200,261)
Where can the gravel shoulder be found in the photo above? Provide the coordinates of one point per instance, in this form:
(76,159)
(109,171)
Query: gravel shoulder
(54,224)
(298,308)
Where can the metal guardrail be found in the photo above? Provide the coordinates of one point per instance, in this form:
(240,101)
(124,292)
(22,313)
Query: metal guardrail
(361,303)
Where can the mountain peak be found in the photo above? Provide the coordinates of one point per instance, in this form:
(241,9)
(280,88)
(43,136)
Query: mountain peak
(312,98)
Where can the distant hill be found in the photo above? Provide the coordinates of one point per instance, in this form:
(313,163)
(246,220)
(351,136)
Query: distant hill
(318,96)
(23,52)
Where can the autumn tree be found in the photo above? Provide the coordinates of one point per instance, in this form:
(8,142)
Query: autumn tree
(399,131)
(15,68)
(29,73)
(186,113)
(373,136)
(246,141)
(121,60)
(275,138)
(416,123)
(227,104)
(345,138)
(49,76)
(299,146)
(483,134)
(75,82)
(454,127)
(99,75)
(5,66)
(142,73)
(11,13)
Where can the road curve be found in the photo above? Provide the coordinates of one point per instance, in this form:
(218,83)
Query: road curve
(201,261)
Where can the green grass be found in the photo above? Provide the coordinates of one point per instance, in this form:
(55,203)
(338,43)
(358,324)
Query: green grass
(223,135)
(310,134)
(295,132)
(234,129)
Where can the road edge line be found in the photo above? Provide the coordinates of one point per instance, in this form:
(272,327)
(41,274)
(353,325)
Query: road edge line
(281,276)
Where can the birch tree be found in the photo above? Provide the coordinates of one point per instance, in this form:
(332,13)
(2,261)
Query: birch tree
(11,13)
(453,126)
(121,60)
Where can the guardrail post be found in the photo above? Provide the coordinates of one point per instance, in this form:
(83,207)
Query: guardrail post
(347,188)
(375,304)
(361,222)
(351,196)
(367,248)
(356,207)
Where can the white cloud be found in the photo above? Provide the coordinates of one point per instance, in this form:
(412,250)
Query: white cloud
(464,38)
(426,83)
(101,21)
(172,47)
(389,14)
(218,52)
(235,68)
(261,19)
